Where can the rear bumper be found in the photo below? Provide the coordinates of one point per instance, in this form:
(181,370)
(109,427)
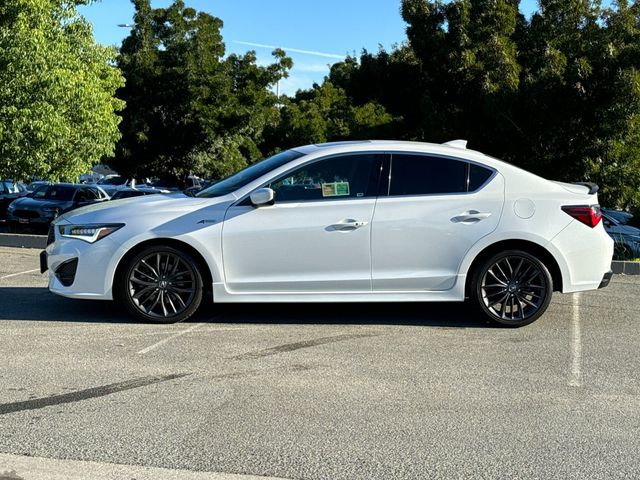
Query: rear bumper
(606,279)
(584,256)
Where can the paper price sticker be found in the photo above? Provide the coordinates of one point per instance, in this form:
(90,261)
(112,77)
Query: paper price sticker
(335,189)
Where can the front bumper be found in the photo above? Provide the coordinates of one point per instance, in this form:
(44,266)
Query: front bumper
(90,264)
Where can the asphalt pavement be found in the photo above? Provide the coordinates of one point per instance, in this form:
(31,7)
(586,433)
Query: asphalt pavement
(327,391)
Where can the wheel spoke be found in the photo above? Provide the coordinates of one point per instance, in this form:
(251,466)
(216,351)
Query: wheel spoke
(501,301)
(137,270)
(144,292)
(504,275)
(150,268)
(179,299)
(143,282)
(499,280)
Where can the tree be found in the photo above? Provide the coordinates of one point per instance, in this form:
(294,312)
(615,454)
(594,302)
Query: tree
(190,109)
(57,106)
(325,113)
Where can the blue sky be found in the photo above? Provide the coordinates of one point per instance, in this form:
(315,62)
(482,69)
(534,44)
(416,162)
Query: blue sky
(322,31)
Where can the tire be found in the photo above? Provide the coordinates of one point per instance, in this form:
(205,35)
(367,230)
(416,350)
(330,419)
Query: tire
(160,284)
(512,288)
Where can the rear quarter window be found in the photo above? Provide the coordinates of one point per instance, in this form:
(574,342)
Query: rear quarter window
(424,174)
(478,176)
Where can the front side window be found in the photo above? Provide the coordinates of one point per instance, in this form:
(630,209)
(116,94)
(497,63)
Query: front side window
(249,174)
(335,178)
(426,175)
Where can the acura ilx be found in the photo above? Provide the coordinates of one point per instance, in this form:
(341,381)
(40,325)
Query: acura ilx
(360,221)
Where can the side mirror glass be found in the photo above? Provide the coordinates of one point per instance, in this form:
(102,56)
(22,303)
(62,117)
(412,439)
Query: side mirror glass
(262,196)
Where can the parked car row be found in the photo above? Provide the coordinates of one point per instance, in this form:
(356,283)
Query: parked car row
(623,228)
(35,207)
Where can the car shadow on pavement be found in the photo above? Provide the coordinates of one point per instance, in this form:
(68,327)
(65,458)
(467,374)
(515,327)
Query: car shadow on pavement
(38,304)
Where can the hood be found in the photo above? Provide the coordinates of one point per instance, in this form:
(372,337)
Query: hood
(33,203)
(127,209)
(623,230)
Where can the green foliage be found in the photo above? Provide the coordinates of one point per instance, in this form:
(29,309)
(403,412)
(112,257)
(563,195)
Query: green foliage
(326,113)
(190,109)
(558,94)
(57,105)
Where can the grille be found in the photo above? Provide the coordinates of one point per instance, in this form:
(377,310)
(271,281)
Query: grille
(66,272)
(25,214)
(51,236)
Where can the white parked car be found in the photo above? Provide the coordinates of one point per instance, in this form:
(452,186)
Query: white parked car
(365,221)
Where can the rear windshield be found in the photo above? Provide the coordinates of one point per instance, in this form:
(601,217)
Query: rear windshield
(249,174)
(55,192)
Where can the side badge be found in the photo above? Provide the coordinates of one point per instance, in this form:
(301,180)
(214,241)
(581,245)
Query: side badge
(207,221)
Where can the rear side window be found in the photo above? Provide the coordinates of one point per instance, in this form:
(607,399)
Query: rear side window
(478,176)
(423,175)
(92,194)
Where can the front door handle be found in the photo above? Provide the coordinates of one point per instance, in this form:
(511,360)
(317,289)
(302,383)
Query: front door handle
(471,216)
(348,224)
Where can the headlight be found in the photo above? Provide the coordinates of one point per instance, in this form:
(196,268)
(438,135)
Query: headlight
(51,211)
(89,233)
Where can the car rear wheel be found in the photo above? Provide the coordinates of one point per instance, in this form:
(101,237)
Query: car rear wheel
(512,288)
(160,284)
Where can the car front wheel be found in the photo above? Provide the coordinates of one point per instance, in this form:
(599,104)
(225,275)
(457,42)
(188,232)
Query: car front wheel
(160,284)
(512,288)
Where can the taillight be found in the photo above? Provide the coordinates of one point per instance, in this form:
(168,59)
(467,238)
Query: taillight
(589,215)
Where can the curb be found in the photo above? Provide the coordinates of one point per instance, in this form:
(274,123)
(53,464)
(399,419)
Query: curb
(23,241)
(625,268)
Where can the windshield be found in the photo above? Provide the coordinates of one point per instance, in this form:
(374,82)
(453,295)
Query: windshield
(249,174)
(112,181)
(55,192)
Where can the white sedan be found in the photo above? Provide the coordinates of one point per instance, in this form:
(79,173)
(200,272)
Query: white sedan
(364,221)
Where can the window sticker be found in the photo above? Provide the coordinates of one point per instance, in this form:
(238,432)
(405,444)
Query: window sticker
(335,189)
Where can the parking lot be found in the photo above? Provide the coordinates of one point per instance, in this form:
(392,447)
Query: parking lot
(318,391)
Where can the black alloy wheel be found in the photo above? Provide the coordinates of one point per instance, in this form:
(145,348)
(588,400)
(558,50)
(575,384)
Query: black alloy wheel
(512,288)
(160,284)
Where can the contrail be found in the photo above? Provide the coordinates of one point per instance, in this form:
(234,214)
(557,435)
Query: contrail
(295,50)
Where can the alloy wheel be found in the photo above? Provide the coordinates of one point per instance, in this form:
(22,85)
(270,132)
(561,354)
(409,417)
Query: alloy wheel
(514,288)
(162,285)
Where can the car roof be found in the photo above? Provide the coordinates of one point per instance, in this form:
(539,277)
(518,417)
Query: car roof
(72,185)
(455,148)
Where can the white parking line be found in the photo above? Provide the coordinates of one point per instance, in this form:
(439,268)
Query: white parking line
(19,273)
(165,340)
(38,468)
(575,379)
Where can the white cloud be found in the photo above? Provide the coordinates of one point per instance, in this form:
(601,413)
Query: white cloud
(295,50)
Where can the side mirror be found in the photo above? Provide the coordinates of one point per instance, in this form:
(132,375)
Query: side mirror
(262,196)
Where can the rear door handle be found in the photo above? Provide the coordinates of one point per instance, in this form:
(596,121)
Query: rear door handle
(471,216)
(348,224)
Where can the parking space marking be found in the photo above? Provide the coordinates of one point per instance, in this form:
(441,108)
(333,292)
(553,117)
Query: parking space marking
(165,340)
(19,273)
(575,379)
